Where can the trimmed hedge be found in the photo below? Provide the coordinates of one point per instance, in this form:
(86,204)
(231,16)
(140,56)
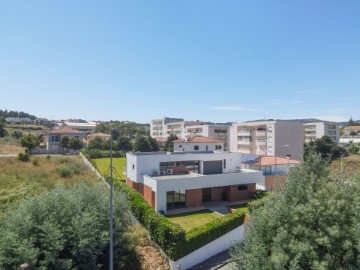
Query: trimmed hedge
(203,235)
(170,236)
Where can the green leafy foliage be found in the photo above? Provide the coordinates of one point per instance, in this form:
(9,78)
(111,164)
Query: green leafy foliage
(66,228)
(2,128)
(142,144)
(123,144)
(23,157)
(64,143)
(325,147)
(75,144)
(30,141)
(169,146)
(312,224)
(35,161)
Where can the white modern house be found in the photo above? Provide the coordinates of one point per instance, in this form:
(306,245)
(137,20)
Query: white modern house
(313,131)
(197,144)
(268,138)
(170,180)
(53,137)
(81,126)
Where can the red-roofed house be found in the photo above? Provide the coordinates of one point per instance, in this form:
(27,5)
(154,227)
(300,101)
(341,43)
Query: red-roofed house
(53,137)
(271,167)
(198,143)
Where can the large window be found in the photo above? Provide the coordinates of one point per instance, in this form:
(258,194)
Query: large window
(175,199)
(191,165)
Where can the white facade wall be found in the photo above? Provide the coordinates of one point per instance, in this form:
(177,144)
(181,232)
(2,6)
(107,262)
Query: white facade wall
(190,147)
(313,131)
(138,165)
(163,184)
(52,145)
(280,137)
(158,127)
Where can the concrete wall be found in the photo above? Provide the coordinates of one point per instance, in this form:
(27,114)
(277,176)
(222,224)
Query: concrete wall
(222,243)
(189,146)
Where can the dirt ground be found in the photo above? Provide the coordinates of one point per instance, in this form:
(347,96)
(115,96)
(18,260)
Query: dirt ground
(10,149)
(149,256)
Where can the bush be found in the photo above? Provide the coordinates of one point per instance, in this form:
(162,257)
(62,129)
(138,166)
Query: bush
(257,203)
(48,157)
(35,161)
(23,157)
(259,193)
(77,168)
(65,160)
(67,228)
(64,171)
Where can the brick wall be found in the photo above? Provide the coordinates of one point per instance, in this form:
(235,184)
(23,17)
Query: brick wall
(193,197)
(149,196)
(239,195)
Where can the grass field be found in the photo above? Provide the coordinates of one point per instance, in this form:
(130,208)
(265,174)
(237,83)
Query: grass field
(192,220)
(119,165)
(20,179)
(351,168)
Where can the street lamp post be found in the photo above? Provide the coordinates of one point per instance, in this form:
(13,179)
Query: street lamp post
(111,264)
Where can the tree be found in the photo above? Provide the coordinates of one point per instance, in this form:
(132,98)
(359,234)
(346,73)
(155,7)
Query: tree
(66,228)
(64,143)
(96,143)
(75,144)
(353,148)
(102,127)
(309,225)
(351,122)
(169,146)
(124,144)
(325,147)
(30,142)
(153,143)
(2,128)
(142,145)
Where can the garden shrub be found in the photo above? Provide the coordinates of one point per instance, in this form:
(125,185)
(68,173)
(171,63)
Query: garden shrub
(23,157)
(64,172)
(35,161)
(260,193)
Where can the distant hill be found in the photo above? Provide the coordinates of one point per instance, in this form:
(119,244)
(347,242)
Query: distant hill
(6,113)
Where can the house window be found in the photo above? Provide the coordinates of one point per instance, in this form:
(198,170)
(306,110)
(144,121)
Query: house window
(133,167)
(224,163)
(242,187)
(217,147)
(196,147)
(180,146)
(55,138)
(175,199)
(77,137)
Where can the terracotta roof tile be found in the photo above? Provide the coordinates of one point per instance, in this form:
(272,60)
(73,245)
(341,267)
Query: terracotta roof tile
(199,139)
(270,160)
(65,130)
(352,128)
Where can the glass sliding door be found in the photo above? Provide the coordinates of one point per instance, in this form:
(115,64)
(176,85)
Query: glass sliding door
(175,199)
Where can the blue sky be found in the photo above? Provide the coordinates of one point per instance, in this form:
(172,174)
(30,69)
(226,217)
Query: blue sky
(200,60)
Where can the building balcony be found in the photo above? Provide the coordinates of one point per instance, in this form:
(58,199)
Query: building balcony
(261,142)
(260,133)
(244,142)
(244,133)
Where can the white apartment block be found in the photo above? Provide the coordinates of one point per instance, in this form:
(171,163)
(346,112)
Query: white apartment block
(183,180)
(160,128)
(269,138)
(184,129)
(313,131)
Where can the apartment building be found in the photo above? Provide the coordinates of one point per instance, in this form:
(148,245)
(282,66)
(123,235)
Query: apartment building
(159,128)
(268,138)
(313,131)
(182,179)
(162,128)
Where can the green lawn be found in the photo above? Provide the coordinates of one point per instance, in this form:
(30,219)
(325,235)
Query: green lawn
(192,220)
(239,207)
(119,165)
